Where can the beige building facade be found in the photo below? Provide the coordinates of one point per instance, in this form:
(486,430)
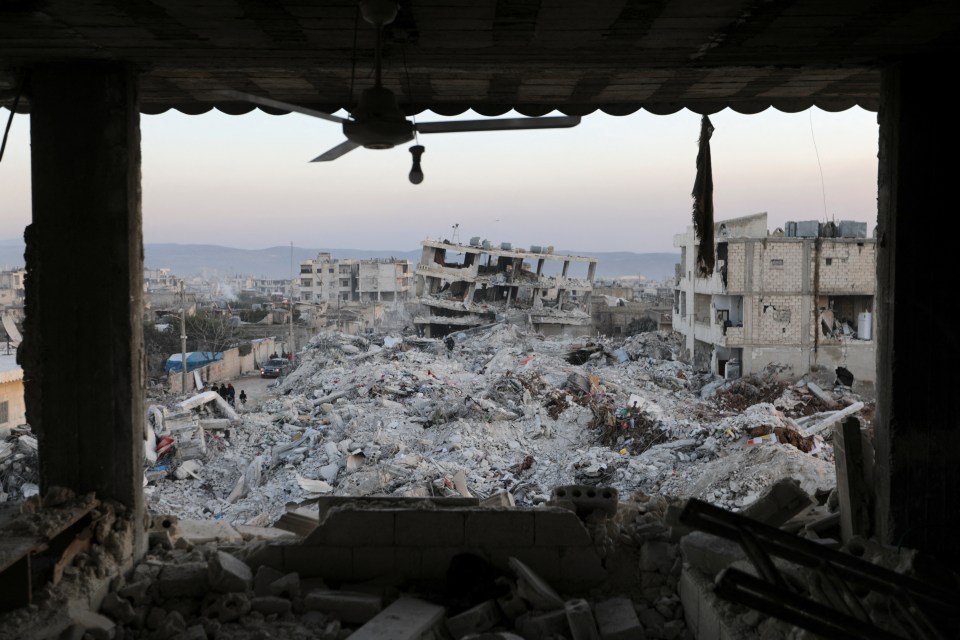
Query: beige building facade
(800,298)
(329,279)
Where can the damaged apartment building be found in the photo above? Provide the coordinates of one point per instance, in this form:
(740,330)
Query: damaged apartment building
(802,297)
(328,279)
(463,286)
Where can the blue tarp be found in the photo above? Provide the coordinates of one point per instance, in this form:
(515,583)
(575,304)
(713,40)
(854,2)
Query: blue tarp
(195,360)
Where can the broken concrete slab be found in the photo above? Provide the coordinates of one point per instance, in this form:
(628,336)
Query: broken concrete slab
(347,606)
(228,574)
(709,553)
(779,502)
(480,618)
(404,619)
(534,589)
(203,531)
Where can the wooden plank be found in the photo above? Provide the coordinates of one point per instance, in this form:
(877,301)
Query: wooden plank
(848,457)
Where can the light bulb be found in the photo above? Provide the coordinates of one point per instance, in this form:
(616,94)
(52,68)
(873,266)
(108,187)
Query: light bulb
(416,173)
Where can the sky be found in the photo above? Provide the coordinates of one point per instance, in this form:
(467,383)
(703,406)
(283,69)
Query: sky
(609,184)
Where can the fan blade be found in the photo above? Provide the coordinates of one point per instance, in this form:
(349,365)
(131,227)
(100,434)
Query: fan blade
(495,124)
(339,150)
(276,104)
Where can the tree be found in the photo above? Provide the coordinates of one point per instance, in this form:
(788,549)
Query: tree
(210,332)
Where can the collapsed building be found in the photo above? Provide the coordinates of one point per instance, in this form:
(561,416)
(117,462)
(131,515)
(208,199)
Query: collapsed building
(486,283)
(801,297)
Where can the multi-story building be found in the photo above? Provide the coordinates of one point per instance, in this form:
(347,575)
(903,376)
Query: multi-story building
(462,286)
(329,279)
(801,298)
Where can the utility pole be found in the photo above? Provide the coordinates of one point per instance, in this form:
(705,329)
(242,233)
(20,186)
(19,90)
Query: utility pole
(293,346)
(183,339)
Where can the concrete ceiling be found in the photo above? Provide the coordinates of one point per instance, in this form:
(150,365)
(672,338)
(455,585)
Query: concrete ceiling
(489,55)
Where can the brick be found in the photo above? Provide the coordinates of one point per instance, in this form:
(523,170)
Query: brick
(617,620)
(500,528)
(405,619)
(559,527)
(264,577)
(421,528)
(359,528)
(346,606)
(269,605)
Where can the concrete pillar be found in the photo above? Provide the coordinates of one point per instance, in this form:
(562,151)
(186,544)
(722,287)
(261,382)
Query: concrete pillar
(83,350)
(917,426)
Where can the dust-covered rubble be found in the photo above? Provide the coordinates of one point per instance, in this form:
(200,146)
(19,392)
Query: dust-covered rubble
(403,416)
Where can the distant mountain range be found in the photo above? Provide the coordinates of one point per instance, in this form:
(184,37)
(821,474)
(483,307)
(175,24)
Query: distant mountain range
(275,262)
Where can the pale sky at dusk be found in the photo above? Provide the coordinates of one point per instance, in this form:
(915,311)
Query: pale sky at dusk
(610,184)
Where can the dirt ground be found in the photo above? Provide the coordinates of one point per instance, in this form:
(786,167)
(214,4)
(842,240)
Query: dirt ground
(257,388)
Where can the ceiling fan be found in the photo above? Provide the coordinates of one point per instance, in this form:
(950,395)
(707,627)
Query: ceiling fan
(377,122)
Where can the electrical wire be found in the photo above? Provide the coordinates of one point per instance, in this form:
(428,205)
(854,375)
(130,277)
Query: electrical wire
(13,110)
(406,71)
(823,188)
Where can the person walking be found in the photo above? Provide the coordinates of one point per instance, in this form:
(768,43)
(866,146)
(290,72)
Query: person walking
(223,391)
(231,394)
(243,397)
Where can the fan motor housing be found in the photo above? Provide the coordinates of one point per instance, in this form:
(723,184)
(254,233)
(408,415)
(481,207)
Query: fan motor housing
(378,122)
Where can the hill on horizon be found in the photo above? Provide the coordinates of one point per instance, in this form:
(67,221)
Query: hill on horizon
(275,262)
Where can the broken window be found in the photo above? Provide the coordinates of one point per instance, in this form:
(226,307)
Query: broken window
(4,412)
(776,263)
(848,317)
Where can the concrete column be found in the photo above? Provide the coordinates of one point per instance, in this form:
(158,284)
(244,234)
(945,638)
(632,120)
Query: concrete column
(83,350)
(918,349)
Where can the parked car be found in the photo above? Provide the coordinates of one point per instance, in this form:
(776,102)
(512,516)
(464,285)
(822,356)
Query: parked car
(274,368)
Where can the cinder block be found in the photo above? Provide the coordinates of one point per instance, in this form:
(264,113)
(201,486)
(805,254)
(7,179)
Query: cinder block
(580,619)
(617,620)
(559,527)
(346,606)
(420,528)
(359,528)
(480,618)
(500,528)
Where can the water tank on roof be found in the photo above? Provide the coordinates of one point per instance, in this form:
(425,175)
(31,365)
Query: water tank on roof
(853,229)
(790,230)
(808,229)
(535,248)
(506,246)
(475,241)
(486,244)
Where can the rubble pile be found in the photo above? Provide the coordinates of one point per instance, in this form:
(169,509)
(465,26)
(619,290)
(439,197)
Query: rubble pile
(19,472)
(504,410)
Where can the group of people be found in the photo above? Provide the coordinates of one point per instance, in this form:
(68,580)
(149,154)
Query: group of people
(228,393)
